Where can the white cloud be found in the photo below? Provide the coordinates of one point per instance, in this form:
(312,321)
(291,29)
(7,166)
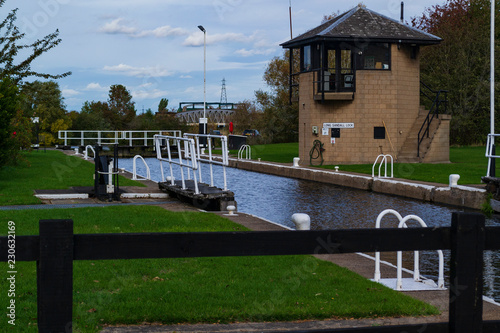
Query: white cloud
(248,53)
(120,26)
(128,70)
(116,27)
(70,92)
(164,31)
(141,94)
(186,77)
(95,86)
(197,39)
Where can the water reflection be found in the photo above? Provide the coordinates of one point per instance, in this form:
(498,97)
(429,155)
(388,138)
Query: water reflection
(332,207)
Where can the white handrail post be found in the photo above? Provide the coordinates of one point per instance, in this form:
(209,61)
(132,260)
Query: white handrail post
(82,140)
(145,138)
(209,141)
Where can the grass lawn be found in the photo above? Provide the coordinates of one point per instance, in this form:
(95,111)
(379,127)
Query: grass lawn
(194,290)
(278,152)
(49,169)
(469,162)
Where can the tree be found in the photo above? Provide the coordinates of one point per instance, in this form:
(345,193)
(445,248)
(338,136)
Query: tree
(91,117)
(280,118)
(162,106)
(460,64)
(10,47)
(9,104)
(121,109)
(44,100)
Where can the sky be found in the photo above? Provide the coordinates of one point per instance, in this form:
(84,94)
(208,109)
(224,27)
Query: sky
(155,49)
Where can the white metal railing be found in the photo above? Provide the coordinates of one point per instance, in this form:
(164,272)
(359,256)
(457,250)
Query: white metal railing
(134,169)
(416,269)
(383,161)
(190,154)
(86,154)
(106,137)
(247,150)
(202,157)
(490,143)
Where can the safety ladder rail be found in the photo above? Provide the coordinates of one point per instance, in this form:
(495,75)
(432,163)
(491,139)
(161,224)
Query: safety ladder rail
(383,161)
(190,155)
(134,169)
(86,154)
(490,151)
(416,269)
(247,150)
(209,159)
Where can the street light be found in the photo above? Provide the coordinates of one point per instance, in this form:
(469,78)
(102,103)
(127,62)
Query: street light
(203,121)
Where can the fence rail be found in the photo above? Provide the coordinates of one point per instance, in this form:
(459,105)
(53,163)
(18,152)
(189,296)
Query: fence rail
(143,138)
(56,247)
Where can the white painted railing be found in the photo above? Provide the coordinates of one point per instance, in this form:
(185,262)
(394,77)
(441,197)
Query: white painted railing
(490,143)
(383,161)
(190,154)
(144,138)
(134,169)
(86,154)
(247,150)
(202,157)
(416,268)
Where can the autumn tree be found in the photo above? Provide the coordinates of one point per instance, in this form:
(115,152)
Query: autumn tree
(460,64)
(280,117)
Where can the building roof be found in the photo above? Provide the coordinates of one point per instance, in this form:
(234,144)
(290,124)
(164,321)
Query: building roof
(362,24)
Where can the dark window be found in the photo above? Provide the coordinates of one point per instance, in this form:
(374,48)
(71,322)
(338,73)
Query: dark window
(307,58)
(374,56)
(335,132)
(379,132)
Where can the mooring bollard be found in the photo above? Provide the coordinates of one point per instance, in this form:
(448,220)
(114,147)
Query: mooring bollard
(302,221)
(454,180)
(336,168)
(296,161)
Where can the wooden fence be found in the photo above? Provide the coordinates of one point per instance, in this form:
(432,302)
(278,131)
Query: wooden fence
(56,247)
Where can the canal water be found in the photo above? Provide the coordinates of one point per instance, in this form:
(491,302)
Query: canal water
(330,207)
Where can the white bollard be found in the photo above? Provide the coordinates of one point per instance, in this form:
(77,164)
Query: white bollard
(336,168)
(302,221)
(76,151)
(454,180)
(231,209)
(296,161)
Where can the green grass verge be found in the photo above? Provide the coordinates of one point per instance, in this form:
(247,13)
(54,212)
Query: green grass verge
(49,169)
(469,162)
(278,152)
(194,290)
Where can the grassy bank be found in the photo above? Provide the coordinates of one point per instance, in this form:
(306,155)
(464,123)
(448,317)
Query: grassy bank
(48,170)
(469,162)
(213,290)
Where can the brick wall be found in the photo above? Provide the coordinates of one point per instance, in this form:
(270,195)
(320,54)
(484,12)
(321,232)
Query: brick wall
(391,96)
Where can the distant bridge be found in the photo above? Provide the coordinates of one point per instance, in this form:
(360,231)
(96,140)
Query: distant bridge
(191,112)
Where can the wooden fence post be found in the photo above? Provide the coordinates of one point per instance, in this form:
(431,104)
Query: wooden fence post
(466,273)
(55,276)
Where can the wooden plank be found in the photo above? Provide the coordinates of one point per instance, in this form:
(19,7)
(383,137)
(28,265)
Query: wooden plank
(27,248)
(466,272)
(214,244)
(55,276)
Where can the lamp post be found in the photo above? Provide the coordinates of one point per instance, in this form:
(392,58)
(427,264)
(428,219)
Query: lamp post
(203,121)
(492,89)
